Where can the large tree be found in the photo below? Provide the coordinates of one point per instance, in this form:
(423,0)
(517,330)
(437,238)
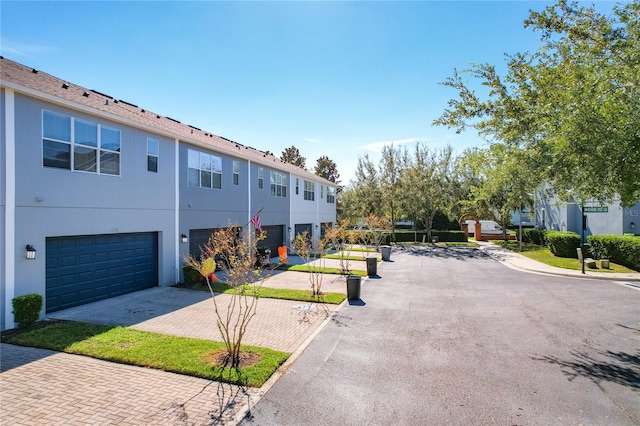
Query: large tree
(573,105)
(428,184)
(390,183)
(326,168)
(499,182)
(292,155)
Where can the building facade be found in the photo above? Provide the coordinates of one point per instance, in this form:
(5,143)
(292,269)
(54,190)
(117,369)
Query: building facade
(113,196)
(601,219)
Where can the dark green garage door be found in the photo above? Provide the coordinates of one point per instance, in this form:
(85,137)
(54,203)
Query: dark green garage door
(84,269)
(274,239)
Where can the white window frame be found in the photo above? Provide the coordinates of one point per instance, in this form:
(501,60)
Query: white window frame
(260,178)
(151,155)
(207,163)
(100,151)
(236,172)
(331,195)
(309,190)
(278,183)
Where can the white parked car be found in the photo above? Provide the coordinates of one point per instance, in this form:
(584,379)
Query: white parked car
(488,227)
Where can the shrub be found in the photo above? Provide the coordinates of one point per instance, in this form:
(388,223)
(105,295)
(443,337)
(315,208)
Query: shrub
(26,309)
(563,244)
(190,274)
(534,236)
(621,249)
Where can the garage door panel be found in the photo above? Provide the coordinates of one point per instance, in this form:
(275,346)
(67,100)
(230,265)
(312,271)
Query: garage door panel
(274,238)
(83,269)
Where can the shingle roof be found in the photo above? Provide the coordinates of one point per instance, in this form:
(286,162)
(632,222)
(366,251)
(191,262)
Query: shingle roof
(37,83)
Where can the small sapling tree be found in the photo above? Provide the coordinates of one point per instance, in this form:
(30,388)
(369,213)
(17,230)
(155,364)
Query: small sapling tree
(235,253)
(303,247)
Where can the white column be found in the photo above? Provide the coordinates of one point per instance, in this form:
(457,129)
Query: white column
(9,224)
(176,207)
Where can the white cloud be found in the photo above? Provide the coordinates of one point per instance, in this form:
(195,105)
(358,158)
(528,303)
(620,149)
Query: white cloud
(377,146)
(311,140)
(11,48)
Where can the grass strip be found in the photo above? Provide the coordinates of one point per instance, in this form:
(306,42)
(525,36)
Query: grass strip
(123,345)
(347,257)
(325,270)
(279,293)
(544,255)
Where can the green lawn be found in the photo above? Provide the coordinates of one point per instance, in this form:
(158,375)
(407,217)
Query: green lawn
(544,255)
(325,270)
(279,293)
(182,355)
(349,257)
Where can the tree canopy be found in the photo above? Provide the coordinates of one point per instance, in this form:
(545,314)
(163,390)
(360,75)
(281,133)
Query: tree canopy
(573,105)
(327,169)
(292,155)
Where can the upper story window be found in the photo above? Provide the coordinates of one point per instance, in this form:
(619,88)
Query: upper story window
(236,172)
(331,195)
(309,190)
(260,177)
(153,151)
(278,184)
(74,144)
(205,170)
(297,186)
(321,192)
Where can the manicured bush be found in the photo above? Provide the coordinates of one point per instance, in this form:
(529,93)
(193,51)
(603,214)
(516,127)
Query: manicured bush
(26,309)
(621,249)
(563,244)
(190,275)
(534,236)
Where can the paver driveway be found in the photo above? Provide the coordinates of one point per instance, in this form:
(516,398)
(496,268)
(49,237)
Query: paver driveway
(450,336)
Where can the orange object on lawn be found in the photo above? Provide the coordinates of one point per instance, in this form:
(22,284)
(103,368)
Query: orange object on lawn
(282,254)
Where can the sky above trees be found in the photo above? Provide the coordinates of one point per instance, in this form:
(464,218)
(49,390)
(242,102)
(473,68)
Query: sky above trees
(332,78)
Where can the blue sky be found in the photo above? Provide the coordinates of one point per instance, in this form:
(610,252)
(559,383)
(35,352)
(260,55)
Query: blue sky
(332,78)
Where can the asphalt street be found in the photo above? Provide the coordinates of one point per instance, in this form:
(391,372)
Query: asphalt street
(451,336)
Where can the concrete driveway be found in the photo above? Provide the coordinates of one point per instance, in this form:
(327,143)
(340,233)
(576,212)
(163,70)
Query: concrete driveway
(450,336)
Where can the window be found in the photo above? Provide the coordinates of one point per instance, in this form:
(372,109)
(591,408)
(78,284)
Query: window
(153,150)
(297,185)
(331,195)
(236,172)
(205,170)
(321,192)
(309,190)
(260,177)
(95,148)
(278,184)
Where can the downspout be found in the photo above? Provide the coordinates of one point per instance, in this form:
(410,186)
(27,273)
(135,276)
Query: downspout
(249,199)
(9,224)
(176,208)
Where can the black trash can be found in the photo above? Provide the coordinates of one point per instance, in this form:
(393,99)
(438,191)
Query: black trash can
(353,287)
(372,266)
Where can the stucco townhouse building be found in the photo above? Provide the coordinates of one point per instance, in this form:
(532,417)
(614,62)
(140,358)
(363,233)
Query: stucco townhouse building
(100,197)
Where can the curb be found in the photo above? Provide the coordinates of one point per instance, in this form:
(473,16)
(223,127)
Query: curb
(557,272)
(254,399)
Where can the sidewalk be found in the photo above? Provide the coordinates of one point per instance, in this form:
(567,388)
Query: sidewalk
(517,261)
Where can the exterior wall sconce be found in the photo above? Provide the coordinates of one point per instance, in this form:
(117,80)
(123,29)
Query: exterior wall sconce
(632,225)
(317,226)
(31,252)
(184,238)
(289,228)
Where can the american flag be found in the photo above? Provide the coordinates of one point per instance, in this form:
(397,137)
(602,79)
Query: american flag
(256,222)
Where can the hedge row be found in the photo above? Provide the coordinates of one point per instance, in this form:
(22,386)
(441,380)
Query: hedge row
(411,236)
(563,244)
(534,236)
(623,250)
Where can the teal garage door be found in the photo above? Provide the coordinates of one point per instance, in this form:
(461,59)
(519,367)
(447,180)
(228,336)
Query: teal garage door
(88,268)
